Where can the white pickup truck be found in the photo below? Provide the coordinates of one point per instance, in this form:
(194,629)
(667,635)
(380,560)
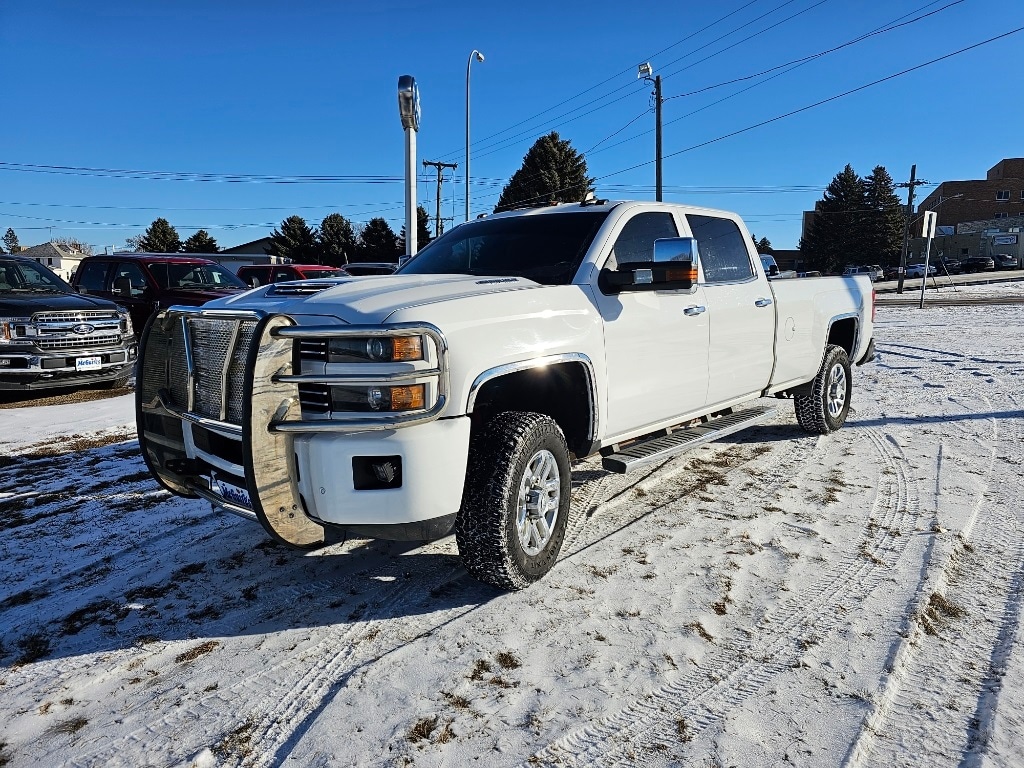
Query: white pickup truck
(456,393)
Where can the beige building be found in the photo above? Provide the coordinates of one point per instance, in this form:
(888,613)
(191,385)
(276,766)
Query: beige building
(1000,195)
(61,260)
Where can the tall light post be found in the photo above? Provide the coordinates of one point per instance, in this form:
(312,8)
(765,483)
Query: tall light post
(479,57)
(647,73)
(409,112)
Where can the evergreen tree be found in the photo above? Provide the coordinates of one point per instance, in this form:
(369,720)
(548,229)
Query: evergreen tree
(200,242)
(378,242)
(337,240)
(161,237)
(551,170)
(296,241)
(836,235)
(422,231)
(884,219)
(764,245)
(11,241)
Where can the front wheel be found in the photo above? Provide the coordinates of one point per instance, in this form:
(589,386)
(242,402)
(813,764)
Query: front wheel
(515,504)
(824,407)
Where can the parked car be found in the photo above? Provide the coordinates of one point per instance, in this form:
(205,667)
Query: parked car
(917,270)
(264,274)
(1005,261)
(874,273)
(360,268)
(948,266)
(146,282)
(978,264)
(52,337)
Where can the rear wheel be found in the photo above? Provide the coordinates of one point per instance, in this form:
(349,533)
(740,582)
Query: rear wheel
(515,504)
(824,407)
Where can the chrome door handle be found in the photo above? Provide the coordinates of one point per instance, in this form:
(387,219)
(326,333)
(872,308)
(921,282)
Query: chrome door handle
(762,302)
(694,310)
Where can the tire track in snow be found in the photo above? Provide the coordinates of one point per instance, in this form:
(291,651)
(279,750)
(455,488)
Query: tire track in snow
(733,673)
(973,574)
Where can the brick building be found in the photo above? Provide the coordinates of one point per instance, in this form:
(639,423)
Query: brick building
(999,195)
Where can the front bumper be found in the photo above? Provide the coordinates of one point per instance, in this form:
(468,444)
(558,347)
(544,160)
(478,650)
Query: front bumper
(35,369)
(219,417)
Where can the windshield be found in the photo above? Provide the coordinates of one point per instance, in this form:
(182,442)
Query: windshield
(184,275)
(27,276)
(546,248)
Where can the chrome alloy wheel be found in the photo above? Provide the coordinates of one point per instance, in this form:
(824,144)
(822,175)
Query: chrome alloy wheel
(836,391)
(540,492)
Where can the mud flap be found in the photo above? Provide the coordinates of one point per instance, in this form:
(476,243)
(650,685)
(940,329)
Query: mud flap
(269,455)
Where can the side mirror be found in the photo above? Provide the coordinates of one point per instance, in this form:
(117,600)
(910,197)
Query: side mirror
(123,286)
(773,270)
(673,268)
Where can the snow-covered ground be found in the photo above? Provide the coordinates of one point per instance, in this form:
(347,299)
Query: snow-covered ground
(853,599)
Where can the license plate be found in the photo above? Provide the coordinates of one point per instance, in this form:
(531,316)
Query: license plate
(229,492)
(88,363)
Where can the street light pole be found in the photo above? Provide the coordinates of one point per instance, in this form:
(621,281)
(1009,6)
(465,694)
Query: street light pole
(647,73)
(479,57)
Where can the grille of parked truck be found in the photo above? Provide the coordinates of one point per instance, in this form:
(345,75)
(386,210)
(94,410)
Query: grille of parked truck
(455,394)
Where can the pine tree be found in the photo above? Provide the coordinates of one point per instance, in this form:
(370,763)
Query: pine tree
(200,242)
(884,219)
(337,240)
(161,237)
(378,242)
(764,245)
(551,170)
(296,241)
(422,230)
(836,235)
(11,241)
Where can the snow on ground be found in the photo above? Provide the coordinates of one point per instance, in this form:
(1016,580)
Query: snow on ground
(852,599)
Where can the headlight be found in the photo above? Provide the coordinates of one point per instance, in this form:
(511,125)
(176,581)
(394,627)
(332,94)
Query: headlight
(14,329)
(376,399)
(375,349)
(126,323)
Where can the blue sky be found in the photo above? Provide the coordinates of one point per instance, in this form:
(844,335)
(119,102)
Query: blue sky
(309,89)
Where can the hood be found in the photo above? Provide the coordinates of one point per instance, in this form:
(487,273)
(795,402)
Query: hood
(25,304)
(370,300)
(193,297)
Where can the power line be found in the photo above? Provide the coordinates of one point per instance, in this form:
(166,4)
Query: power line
(821,102)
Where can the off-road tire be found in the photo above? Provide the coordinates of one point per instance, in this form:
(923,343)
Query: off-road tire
(833,380)
(485,528)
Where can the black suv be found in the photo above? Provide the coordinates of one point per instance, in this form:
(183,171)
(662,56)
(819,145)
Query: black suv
(52,337)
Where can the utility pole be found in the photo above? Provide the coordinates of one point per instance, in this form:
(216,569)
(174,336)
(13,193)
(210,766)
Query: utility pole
(657,138)
(438,226)
(645,72)
(909,186)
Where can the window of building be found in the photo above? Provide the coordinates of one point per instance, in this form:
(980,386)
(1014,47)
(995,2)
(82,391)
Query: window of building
(1002,215)
(965,251)
(1022,194)
(1003,196)
(49,261)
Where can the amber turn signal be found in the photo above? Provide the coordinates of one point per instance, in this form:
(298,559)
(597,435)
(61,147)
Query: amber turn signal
(408,398)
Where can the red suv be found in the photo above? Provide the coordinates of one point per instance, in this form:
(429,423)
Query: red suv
(262,274)
(145,282)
